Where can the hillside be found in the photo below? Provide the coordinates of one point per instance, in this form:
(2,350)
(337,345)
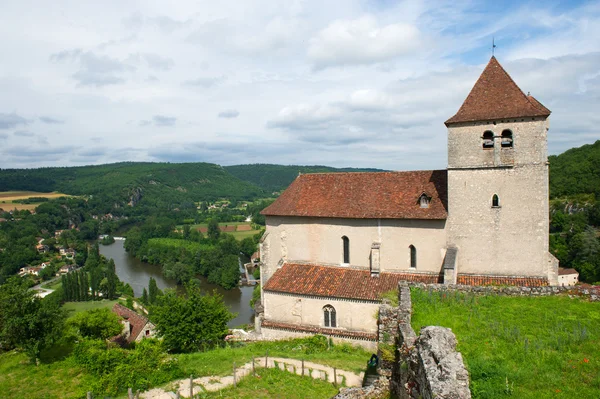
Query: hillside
(576,171)
(277,177)
(175,181)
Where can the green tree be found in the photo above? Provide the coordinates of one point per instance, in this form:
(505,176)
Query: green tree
(191,322)
(213,231)
(27,321)
(96,323)
(247,246)
(111,280)
(144,298)
(153,291)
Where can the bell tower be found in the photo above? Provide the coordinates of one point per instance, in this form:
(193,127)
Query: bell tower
(498,217)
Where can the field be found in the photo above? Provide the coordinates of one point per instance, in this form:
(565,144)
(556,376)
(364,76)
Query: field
(76,307)
(239,230)
(525,347)
(7,198)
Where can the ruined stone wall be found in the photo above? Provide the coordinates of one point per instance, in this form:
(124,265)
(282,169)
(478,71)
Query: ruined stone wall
(427,366)
(590,292)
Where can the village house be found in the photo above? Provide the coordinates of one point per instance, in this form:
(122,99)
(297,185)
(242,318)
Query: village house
(567,277)
(66,269)
(335,242)
(135,326)
(42,249)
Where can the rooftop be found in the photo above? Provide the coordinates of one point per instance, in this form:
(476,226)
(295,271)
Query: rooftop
(136,321)
(496,96)
(364,195)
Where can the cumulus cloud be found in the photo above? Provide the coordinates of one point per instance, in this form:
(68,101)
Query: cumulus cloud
(154,61)
(50,120)
(229,114)
(10,121)
(362,41)
(94,70)
(3,136)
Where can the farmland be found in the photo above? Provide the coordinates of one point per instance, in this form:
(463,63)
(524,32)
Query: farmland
(10,200)
(239,230)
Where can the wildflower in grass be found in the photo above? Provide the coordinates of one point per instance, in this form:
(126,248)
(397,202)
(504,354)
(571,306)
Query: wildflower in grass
(586,360)
(557,391)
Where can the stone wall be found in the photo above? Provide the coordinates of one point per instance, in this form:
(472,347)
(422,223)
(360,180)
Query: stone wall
(427,366)
(591,292)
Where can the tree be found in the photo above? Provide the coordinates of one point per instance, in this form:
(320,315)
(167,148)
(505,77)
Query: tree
(145,296)
(192,322)
(111,280)
(152,291)
(213,231)
(178,271)
(247,246)
(96,323)
(26,321)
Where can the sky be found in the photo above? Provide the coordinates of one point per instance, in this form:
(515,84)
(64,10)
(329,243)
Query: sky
(357,83)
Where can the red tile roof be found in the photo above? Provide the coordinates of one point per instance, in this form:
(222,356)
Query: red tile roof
(319,330)
(368,195)
(564,272)
(469,279)
(339,282)
(136,320)
(496,96)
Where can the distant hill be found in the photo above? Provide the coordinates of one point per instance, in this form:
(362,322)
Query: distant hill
(166,181)
(277,177)
(576,171)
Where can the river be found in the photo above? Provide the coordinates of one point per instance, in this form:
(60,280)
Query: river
(137,274)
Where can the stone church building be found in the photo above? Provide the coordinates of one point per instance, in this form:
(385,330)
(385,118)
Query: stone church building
(336,241)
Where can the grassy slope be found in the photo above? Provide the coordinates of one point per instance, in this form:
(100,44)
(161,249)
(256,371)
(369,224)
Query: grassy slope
(546,347)
(220,361)
(76,307)
(275,383)
(63,379)
(576,171)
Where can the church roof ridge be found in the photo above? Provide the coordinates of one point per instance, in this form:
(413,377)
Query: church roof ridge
(495,95)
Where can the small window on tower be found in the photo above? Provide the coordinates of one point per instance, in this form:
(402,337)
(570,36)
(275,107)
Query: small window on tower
(507,139)
(495,201)
(488,139)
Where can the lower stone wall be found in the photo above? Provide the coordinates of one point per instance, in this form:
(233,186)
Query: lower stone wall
(591,292)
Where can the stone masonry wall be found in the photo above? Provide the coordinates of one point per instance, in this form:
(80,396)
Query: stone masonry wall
(427,366)
(592,293)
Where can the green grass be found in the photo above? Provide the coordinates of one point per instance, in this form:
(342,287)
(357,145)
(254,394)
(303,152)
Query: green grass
(220,361)
(54,285)
(190,246)
(240,235)
(76,307)
(524,347)
(21,379)
(276,383)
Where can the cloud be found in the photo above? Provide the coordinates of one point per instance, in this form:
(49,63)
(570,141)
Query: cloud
(229,114)
(205,82)
(50,120)
(154,61)
(3,136)
(94,70)
(23,133)
(362,41)
(10,121)
(159,120)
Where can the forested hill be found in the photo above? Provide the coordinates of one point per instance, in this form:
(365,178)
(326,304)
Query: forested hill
(576,171)
(277,177)
(177,181)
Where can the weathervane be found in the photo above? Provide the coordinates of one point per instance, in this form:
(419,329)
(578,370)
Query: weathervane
(493,45)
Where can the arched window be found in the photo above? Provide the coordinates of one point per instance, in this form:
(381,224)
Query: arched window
(346,249)
(413,256)
(495,201)
(488,139)
(329,319)
(507,139)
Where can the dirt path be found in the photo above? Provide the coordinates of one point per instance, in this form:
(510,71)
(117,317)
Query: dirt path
(215,383)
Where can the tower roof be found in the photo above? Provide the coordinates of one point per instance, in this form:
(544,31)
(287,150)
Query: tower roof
(496,96)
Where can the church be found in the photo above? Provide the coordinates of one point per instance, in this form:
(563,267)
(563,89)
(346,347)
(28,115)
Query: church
(335,242)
